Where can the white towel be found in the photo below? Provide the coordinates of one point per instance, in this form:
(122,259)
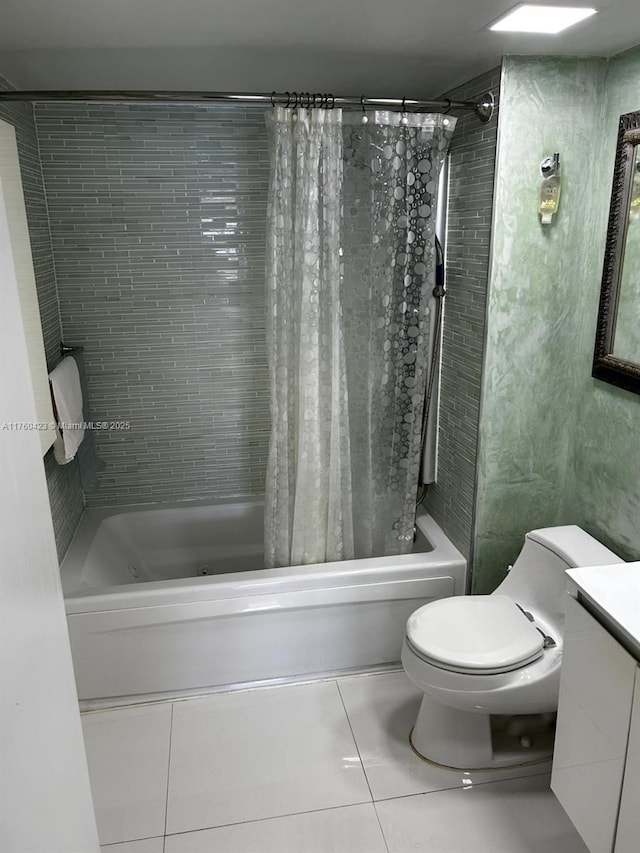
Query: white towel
(67,396)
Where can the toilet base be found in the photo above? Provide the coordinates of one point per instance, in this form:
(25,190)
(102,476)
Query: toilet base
(468,741)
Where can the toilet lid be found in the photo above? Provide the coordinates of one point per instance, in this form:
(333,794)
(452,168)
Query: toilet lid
(481,634)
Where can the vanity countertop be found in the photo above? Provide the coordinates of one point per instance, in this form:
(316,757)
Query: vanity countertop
(613,593)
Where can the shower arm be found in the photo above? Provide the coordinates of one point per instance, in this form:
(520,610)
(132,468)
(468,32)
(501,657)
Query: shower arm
(482,108)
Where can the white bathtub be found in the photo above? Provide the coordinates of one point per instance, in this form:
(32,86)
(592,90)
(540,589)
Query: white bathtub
(143,619)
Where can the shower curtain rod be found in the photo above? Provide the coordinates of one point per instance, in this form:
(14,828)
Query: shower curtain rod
(483,108)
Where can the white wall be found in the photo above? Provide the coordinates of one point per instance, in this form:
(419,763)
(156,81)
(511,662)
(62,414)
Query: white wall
(23,265)
(45,797)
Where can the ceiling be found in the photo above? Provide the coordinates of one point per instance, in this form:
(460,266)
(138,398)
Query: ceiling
(380,48)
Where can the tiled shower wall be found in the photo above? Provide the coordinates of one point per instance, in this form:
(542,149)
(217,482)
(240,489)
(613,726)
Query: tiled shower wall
(63,482)
(451,500)
(157,220)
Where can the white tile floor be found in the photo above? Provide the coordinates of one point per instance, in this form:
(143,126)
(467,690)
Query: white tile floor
(312,768)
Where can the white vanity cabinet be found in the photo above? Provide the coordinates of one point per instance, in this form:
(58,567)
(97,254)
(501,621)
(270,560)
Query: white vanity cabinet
(596,763)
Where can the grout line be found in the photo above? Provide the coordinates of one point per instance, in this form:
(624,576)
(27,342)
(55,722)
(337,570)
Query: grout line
(166,801)
(355,743)
(364,769)
(384,837)
(464,787)
(270,817)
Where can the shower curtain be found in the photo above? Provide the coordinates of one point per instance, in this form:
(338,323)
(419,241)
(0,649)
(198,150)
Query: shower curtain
(350,265)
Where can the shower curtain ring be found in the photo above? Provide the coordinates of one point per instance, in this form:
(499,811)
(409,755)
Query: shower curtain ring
(272,103)
(447,109)
(404,120)
(288,94)
(308,100)
(365,118)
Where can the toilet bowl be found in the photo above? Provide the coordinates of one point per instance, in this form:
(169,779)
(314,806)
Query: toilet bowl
(489,665)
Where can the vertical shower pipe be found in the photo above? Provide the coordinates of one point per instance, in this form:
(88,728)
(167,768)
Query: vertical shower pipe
(428,467)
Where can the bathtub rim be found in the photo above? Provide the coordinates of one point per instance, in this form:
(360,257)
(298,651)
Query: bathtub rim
(80,598)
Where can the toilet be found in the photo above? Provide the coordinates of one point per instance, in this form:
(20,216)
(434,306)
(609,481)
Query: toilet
(489,665)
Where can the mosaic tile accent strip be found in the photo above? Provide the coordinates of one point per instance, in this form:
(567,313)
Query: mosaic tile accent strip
(451,500)
(65,493)
(158,220)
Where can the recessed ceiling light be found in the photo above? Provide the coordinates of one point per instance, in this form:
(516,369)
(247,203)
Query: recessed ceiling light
(527,18)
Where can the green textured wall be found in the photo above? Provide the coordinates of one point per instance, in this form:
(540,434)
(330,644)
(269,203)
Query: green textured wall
(606,449)
(556,446)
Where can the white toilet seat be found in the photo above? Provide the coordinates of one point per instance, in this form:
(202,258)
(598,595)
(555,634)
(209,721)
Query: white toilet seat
(474,635)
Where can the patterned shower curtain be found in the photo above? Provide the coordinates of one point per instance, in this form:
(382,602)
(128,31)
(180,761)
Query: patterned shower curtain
(350,267)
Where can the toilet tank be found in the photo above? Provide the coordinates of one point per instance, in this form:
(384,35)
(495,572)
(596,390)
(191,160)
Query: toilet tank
(537,579)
